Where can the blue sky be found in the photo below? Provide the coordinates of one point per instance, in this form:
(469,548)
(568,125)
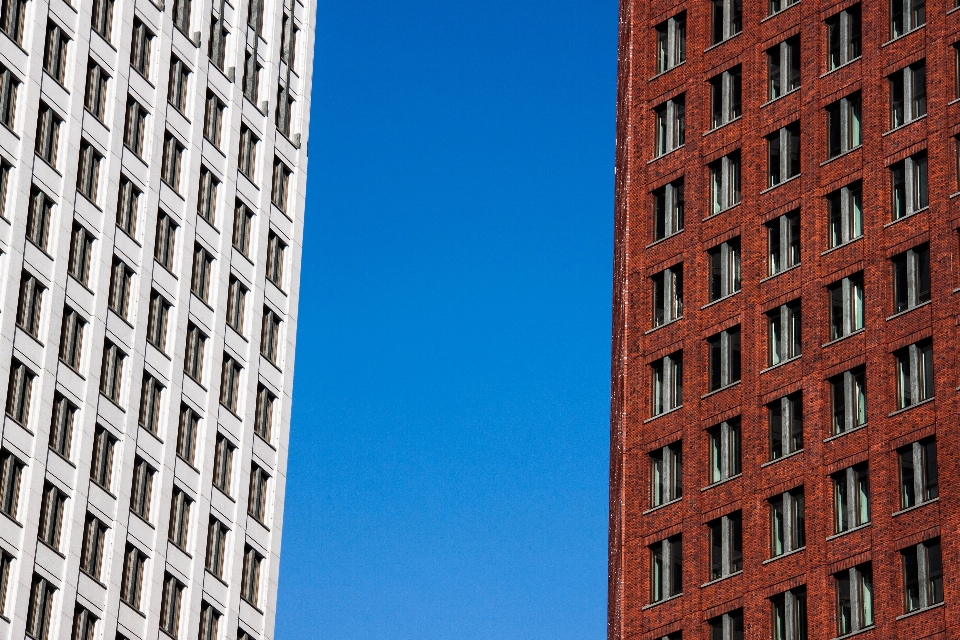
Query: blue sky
(449,447)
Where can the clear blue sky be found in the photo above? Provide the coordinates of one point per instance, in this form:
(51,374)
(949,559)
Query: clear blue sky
(449,448)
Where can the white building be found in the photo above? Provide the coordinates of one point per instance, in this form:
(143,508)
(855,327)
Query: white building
(152,176)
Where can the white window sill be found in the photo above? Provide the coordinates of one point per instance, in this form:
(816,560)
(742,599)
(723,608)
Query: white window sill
(781,458)
(784,555)
(843,337)
(920,610)
(843,433)
(912,406)
(720,482)
(850,530)
(915,507)
(908,310)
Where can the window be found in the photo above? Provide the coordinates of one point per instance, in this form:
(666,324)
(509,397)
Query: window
(783,154)
(668,210)
(914,373)
(165,241)
(854,589)
(29,304)
(783,68)
(726,93)
(51,515)
(670,125)
(251,76)
(236,296)
(216,547)
(666,569)
(101,467)
(84,624)
(242,221)
(270,335)
(8,95)
(177,84)
(667,374)
(787,532)
(209,621)
(217,48)
(71,338)
(150,403)
(785,417)
(81,247)
(212,119)
(284,108)
(281,184)
(908,94)
(12,19)
(187,433)
(222,464)
(207,200)
(55,52)
(724,269)
(289,31)
(10,470)
(38,218)
(727,19)
(230,383)
(726,545)
(48,135)
(19,392)
(783,333)
(846,306)
(783,242)
(666,480)
(729,626)
(248,151)
(790,615)
(179,518)
(257,502)
(140,48)
(88,171)
(845,214)
(142,489)
(843,125)
(725,182)
(128,202)
(111,374)
(911,278)
(40,609)
(91,553)
(181,20)
(61,427)
(170,605)
(909,183)
(250,581)
(193,357)
(276,249)
(906,15)
(101,19)
(724,350)
(848,394)
(200,281)
(6,560)
(776,6)
(843,37)
(922,575)
(157,321)
(134,126)
(723,443)
(918,473)
(121,277)
(851,498)
(263,421)
(132,581)
(668,295)
(172,161)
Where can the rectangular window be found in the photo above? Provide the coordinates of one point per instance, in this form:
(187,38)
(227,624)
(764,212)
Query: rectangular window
(263,421)
(668,210)
(783,154)
(30,304)
(724,269)
(111,374)
(51,516)
(727,19)
(783,68)
(908,94)
(212,119)
(134,562)
(101,467)
(783,242)
(906,15)
(84,624)
(209,621)
(55,52)
(170,604)
(202,265)
(918,473)
(157,321)
(668,295)
(723,442)
(5,170)
(843,37)
(177,84)
(9,84)
(81,248)
(846,306)
(179,518)
(784,333)
(726,97)
(726,545)
(216,547)
(95,95)
(242,221)
(776,6)
(217,48)
(851,498)
(922,575)
(255,15)
(12,19)
(230,383)
(666,569)
(725,182)
(250,580)
(128,202)
(854,589)
(193,356)
(248,152)
(187,433)
(61,427)
(724,366)
(236,298)
(88,171)
(101,19)
(207,198)
(222,464)
(281,184)
(140,47)
(134,126)
(40,608)
(666,480)
(911,278)
(276,250)
(19,392)
(284,113)
(289,32)
(172,161)
(150,394)
(785,417)
(91,553)
(39,212)
(181,20)
(787,530)
(270,335)
(667,375)
(257,502)
(845,214)
(790,615)
(844,131)
(165,240)
(729,626)
(71,338)
(141,492)
(909,185)
(10,471)
(914,373)
(670,122)
(48,135)
(848,395)
(251,76)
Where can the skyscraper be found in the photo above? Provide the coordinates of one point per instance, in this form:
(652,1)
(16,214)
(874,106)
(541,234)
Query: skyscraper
(152,175)
(785,320)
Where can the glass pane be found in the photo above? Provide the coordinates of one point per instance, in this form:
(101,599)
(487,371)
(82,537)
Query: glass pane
(931,488)
(934,573)
(736,543)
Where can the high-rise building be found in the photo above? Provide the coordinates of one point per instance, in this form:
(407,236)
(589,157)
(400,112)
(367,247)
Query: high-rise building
(785,320)
(152,175)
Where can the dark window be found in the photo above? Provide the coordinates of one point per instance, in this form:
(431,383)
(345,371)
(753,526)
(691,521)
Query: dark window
(666,480)
(785,417)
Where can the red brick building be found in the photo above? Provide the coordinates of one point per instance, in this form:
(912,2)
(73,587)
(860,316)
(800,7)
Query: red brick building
(784,429)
